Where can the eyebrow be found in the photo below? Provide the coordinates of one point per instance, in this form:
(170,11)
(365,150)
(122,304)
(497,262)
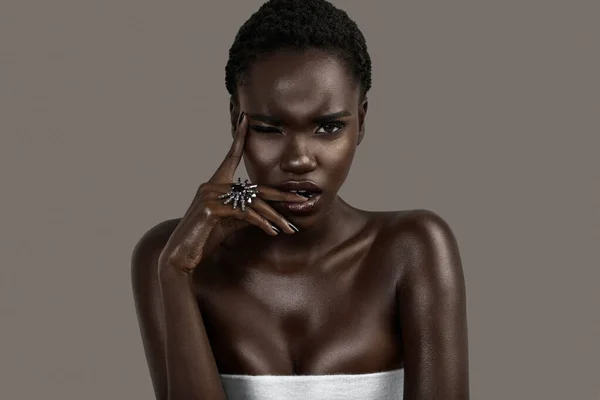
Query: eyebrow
(318,120)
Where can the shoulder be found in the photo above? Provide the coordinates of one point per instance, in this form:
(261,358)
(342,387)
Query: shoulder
(431,299)
(423,246)
(418,226)
(425,227)
(416,219)
(147,249)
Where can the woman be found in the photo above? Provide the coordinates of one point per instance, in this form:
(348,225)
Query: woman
(279,289)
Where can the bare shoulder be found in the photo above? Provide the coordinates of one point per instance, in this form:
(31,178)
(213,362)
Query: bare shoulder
(417,223)
(421,224)
(431,299)
(423,245)
(147,249)
(147,299)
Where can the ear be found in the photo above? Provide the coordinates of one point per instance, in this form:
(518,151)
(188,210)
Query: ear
(362,113)
(234,113)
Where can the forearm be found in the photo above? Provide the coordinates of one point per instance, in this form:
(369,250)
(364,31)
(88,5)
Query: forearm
(192,372)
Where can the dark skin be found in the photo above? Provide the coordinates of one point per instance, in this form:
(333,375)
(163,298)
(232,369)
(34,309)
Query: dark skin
(353,291)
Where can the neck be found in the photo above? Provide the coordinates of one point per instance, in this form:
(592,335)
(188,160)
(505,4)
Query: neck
(337,225)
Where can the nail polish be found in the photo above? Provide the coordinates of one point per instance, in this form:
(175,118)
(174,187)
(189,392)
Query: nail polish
(275,228)
(240,118)
(293,227)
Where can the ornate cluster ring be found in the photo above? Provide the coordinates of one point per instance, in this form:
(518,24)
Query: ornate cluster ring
(241,193)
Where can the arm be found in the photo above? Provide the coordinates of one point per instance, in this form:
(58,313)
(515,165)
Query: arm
(148,304)
(177,349)
(181,361)
(432,303)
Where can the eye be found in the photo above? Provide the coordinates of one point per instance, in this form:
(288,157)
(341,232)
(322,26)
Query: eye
(264,129)
(331,127)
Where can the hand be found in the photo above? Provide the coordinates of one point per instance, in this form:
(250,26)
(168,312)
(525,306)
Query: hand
(208,222)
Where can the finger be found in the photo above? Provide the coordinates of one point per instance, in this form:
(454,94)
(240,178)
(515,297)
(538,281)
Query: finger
(274,194)
(270,214)
(213,190)
(249,215)
(255,218)
(232,160)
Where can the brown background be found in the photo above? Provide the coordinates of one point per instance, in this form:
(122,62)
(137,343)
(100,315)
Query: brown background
(487,112)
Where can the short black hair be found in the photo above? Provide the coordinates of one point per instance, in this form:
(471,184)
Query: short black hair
(300,25)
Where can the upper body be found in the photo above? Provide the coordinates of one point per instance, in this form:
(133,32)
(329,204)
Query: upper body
(351,291)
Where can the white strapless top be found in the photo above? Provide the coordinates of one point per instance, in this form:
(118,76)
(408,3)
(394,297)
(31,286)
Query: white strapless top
(387,385)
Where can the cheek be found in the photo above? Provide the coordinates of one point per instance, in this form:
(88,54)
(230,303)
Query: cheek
(339,154)
(334,157)
(260,153)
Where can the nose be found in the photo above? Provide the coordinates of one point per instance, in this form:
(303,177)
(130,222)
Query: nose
(297,157)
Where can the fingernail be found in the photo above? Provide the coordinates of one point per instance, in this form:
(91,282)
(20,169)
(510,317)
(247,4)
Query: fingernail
(293,227)
(275,228)
(240,118)
(304,197)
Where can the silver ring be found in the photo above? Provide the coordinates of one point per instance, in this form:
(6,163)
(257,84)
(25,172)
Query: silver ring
(241,192)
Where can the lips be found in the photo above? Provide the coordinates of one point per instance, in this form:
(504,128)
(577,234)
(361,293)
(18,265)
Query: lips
(309,206)
(306,189)
(303,188)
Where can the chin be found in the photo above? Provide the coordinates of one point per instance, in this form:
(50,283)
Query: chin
(306,221)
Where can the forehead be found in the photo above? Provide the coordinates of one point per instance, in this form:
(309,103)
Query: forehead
(298,83)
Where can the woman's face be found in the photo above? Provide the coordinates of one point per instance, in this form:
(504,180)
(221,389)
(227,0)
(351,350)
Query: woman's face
(305,120)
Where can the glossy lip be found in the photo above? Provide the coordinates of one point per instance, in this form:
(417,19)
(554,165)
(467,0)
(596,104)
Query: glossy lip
(299,185)
(308,206)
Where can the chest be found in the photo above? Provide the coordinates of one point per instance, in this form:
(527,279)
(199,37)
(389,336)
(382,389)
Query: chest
(336,317)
